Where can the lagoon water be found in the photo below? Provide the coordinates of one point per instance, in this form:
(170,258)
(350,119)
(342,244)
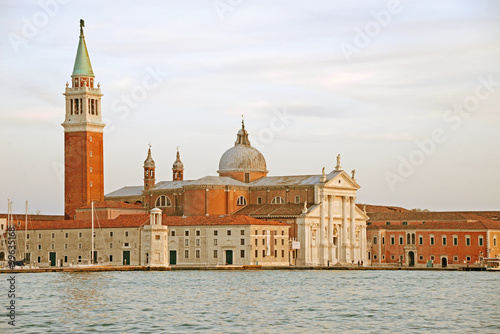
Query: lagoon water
(255,302)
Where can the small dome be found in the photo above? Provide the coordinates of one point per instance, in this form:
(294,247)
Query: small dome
(178,163)
(149,162)
(242,157)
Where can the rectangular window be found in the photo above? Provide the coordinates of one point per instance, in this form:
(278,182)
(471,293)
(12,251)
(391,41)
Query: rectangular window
(264,241)
(467,241)
(79,258)
(65,246)
(455,241)
(28,246)
(383,240)
(242,242)
(126,244)
(79,246)
(421,257)
(242,232)
(215,242)
(432,257)
(65,258)
(186,233)
(374,240)
(198,233)
(444,241)
(401,240)
(455,258)
(259,200)
(38,259)
(432,240)
(197,242)
(256,242)
(28,235)
(282,242)
(393,241)
(228,232)
(39,246)
(420,240)
(282,253)
(480,241)
(111,258)
(157,237)
(263,253)
(172,233)
(242,253)
(111,234)
(393,257)
(215,232)
(215,253)
(468,258)
(110,245)
(66,235)
(40,236)
(186,253)
(256,253)
(197,253)
(186,242)
(126,233)
(374,256)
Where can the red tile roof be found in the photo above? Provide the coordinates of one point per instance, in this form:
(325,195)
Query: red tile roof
(380,208)
(138,220)
(112,205)
(121,221)
(217,220)
(289,209)
(21,217)
(442,225)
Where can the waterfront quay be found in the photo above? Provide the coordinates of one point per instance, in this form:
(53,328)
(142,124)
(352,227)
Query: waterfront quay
(252,267)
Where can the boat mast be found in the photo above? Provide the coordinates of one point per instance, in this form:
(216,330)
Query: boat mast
(92,254)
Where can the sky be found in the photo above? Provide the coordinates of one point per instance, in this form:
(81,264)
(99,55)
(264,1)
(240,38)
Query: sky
(407,92)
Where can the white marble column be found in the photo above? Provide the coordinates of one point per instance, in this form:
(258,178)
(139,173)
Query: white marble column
(345,243)
(352,227)
(322,228)
(330,228)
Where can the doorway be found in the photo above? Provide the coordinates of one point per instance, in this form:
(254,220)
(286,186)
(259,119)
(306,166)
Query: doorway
(229,257)
(173,257)
(444,262)
(52,257)
(411,259)
(126,258)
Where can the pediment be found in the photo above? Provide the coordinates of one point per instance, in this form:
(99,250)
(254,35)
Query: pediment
(342,180)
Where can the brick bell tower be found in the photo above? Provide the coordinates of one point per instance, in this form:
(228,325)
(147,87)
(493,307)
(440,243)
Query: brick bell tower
(83,136)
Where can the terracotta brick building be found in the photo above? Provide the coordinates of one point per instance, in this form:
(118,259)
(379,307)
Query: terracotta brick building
(445,239)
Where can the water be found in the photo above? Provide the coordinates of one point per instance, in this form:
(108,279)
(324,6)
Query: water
(255,302)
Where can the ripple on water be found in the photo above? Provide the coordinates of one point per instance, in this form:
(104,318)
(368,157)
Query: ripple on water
(257,302)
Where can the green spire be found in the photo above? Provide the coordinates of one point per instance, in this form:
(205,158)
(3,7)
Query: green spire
(82,61)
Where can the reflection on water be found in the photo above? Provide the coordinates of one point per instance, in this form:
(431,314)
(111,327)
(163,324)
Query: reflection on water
(257,301)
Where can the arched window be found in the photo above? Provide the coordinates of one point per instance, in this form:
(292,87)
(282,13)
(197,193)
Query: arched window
(241,201)
(297,199)
(163,201)
(278,200)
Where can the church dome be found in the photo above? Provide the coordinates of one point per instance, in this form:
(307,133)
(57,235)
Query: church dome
(242,157)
